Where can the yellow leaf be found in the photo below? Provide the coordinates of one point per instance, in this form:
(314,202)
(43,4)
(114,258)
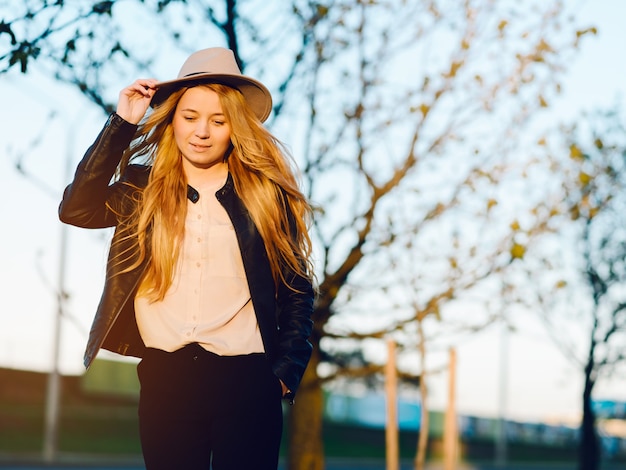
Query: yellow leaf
(575,153)
(542,102)
(518,251)
(322,10)
(454,67)
(543,46)
(561,284)
(584,178)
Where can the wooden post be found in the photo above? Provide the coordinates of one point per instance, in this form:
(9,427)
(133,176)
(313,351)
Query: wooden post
(424,427)
(391,428)
(450,431)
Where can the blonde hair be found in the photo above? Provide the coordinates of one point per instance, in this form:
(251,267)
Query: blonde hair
(263,178)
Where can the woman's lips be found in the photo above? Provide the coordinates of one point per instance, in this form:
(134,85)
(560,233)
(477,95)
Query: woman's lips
(199,148)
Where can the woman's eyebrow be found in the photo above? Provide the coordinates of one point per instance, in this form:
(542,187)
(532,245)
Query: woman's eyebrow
(192,110)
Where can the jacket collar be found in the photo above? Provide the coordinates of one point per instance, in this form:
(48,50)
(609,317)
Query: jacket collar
(194,196)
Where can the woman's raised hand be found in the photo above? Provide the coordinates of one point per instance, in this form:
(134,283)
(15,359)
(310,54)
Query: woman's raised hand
(134,99)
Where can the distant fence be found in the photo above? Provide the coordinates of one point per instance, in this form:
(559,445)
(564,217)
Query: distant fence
(368,410)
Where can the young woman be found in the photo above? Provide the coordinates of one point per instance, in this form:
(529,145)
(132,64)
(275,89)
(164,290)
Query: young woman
(209,278)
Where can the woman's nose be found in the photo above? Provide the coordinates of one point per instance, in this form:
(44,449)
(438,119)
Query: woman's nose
(202,130)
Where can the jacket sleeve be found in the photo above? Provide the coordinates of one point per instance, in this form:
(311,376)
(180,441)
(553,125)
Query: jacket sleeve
(295,308)
(87,201)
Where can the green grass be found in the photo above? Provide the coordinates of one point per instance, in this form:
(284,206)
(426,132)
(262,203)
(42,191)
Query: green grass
(104,424)
(21,427)
(341,440)
(112,429)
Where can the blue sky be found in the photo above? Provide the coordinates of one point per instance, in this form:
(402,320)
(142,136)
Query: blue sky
(540,384)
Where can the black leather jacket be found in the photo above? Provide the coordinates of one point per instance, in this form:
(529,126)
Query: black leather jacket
(90,201)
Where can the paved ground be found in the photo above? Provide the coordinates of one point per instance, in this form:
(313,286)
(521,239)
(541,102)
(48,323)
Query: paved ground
(70,462)
(331,464)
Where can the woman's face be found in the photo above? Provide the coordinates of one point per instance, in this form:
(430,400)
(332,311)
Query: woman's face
(200,130)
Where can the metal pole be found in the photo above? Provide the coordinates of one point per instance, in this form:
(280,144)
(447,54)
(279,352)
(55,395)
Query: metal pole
(53,390)
(501,444)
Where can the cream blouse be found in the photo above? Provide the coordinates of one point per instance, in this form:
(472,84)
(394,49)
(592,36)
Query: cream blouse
(209,301)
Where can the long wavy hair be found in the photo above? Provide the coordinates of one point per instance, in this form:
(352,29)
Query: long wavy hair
(263,176)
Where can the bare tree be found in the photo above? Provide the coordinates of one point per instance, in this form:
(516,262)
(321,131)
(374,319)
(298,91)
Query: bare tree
(587,275)
(410,121)
(429,138)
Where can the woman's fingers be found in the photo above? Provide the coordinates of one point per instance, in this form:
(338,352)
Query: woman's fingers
(144,87)
(135,99)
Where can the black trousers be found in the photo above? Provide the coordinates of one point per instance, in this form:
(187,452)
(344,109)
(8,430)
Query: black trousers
(198,410)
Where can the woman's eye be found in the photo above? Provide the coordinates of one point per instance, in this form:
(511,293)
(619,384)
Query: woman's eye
(218,123)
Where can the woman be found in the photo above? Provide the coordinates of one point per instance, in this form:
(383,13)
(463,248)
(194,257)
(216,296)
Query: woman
(209,278)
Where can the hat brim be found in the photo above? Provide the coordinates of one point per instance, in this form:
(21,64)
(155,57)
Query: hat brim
(256,94)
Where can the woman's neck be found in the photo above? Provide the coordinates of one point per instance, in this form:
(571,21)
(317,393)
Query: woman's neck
(213,175)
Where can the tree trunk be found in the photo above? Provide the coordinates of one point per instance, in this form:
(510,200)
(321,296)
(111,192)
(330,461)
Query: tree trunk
(306,450)
(589,450)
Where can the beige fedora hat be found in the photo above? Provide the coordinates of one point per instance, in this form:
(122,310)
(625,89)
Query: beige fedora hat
(218,65)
